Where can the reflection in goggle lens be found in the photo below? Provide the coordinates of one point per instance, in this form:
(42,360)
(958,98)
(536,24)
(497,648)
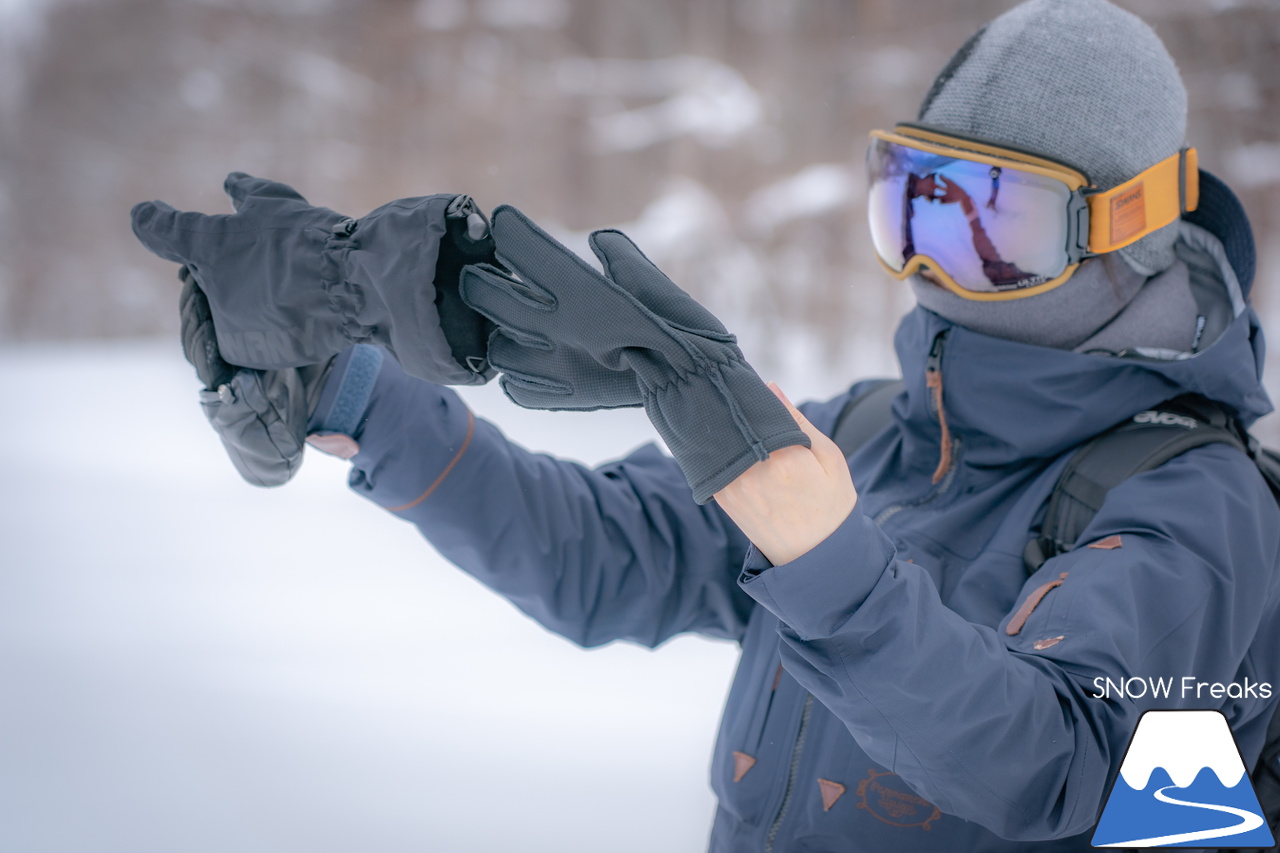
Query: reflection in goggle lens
(988,227)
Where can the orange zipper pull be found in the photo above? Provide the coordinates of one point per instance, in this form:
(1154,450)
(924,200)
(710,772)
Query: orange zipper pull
(933,380)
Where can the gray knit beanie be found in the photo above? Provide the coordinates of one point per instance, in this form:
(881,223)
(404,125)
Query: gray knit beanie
(1080,81)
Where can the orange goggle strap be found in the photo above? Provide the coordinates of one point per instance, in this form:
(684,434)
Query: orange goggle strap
(1152,200)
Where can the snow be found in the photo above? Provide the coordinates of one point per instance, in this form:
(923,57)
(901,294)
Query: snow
(329,80)
(682,219)
(440,15)
(521,14)
(702,98)
(813,191)
(194,664)
(202,89)
(1254,165)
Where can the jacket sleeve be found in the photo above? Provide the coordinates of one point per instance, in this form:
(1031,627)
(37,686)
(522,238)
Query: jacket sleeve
(618,552)
(1004,728)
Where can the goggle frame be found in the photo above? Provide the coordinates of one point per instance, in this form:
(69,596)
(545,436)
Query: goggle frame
(1092,214)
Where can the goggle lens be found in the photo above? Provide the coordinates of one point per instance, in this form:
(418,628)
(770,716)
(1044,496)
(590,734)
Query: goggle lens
(990,228)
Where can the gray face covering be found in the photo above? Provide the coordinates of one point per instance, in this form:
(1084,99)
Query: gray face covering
(1107,306)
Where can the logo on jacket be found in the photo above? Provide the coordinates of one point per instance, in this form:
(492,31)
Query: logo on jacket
(1182,783)
(1165,419)
(889,799)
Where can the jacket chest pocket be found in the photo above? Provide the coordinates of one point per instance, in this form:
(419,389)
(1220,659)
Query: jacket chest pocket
(757,732)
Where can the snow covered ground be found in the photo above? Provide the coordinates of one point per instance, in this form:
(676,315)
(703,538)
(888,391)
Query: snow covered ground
(191,664)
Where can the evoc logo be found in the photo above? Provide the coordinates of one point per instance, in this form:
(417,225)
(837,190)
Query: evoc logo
(1165,419)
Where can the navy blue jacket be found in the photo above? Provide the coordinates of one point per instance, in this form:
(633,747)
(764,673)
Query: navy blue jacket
(904,685)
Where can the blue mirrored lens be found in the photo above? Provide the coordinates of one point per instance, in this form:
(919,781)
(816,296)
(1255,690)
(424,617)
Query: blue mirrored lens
(990,228)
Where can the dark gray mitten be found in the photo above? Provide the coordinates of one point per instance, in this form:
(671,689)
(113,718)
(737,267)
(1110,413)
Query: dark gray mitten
(570,338)
(260,415)
(291,285)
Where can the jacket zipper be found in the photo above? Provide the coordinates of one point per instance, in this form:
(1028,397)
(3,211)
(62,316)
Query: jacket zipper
(945,474)
(933,366)
(944,477)
(933,380)
(789,791)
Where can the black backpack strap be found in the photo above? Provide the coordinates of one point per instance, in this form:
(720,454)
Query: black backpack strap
(1142,443)
(1266,775)
(1268,462)
(865,415)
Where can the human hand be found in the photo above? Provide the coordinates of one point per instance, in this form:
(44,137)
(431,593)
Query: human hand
(291,285)
(937,188)
(796,498)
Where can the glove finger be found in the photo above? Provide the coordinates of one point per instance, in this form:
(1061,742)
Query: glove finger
(527,390)
(560,378)
(595,313)
(533,393)
(534,254)
(510,304)
(528,294)
(529,393)
(192,308)
(240,186)
(542,364)
(628,267)
(593,306)
(199,341)
(190,311)
(173,234)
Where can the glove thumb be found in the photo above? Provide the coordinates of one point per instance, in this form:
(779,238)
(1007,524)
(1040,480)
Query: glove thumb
(628,267)
(241,186)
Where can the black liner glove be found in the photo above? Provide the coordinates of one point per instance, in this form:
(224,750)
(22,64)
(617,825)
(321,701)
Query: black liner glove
(260,415)
(292,285)
(568,337)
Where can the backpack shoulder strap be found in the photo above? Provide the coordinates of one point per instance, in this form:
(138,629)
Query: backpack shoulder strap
(1142,443)
(1268,462)
(865,415)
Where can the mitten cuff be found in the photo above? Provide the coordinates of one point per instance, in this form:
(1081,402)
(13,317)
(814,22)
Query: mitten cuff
(389,259)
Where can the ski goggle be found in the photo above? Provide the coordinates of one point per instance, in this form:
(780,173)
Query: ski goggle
(996,223)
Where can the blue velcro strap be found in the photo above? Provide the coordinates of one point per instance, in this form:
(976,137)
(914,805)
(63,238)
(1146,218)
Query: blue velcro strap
(354,391)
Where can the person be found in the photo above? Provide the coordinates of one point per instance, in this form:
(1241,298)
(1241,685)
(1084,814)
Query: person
(904,683)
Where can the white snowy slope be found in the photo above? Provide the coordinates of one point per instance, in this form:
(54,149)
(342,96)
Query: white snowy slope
(1183,743)
(190,663)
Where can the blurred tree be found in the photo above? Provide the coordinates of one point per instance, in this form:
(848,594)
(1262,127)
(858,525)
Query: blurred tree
(726,136)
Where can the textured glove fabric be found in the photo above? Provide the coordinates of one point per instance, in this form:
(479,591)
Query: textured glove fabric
(569,338)
(260,415)
(292,285)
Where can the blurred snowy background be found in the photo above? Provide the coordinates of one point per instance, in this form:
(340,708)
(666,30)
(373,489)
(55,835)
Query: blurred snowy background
(190,664)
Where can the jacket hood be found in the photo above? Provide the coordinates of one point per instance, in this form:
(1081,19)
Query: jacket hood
(1006,401)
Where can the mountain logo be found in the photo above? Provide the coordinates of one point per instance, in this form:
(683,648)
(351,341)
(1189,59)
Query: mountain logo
(1182,782)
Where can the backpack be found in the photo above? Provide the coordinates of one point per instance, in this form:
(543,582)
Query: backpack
(1145,441)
